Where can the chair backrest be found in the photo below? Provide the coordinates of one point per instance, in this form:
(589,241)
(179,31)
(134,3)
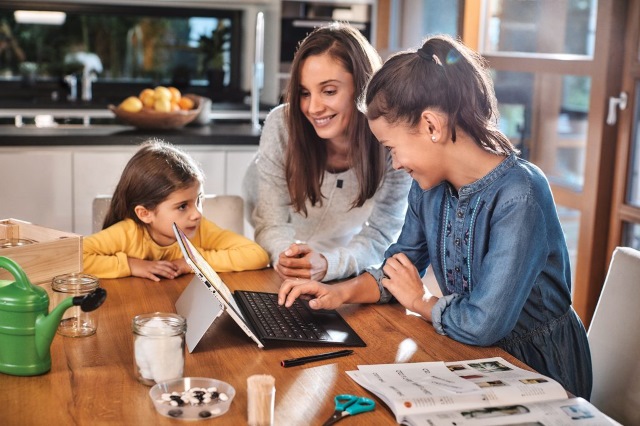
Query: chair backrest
(99,210)
(614,338)
(226,211)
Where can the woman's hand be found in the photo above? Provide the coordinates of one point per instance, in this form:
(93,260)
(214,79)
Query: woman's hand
(153,269)
(406,286)
(323,296)
(301,261)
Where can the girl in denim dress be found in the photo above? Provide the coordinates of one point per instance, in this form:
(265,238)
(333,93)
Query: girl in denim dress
(482,218)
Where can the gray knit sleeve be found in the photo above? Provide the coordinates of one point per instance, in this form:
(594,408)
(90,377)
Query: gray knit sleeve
(381,229)
(378,275)
(270,216)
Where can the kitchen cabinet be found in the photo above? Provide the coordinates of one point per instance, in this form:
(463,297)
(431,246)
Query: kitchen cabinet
(237,164)
(95,172)
(56,187)
(37,187)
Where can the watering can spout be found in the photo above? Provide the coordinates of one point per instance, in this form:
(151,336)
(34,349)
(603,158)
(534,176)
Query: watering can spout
(46,325)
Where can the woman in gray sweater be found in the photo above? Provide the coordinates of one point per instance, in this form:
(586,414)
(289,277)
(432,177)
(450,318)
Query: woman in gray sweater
(322,194)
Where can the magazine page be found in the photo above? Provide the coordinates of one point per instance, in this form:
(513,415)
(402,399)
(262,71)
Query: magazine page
(417,387)
(546,413)
(430,387)
(502,381)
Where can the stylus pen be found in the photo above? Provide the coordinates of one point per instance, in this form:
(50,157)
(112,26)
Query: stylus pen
(312,358)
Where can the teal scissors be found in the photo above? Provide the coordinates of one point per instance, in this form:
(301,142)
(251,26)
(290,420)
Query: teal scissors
(350,405)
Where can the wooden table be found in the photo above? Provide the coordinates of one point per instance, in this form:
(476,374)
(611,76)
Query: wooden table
(91,381)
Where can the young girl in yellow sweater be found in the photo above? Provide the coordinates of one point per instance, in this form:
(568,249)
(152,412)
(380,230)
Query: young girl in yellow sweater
(161,185)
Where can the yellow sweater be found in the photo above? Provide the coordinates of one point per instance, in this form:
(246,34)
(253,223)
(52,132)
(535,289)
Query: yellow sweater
(105,253)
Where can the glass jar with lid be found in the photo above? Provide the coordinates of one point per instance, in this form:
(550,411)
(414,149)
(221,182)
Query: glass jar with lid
(158,347)
(75,322)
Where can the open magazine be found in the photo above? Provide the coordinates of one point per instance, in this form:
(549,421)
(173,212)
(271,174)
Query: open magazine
(479,392)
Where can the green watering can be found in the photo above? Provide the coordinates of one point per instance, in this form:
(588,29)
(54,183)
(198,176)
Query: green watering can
(26,330)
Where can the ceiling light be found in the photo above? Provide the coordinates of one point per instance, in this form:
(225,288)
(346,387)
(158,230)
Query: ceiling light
(39,17)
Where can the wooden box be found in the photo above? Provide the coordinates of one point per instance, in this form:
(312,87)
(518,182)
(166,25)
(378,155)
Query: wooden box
(42,253)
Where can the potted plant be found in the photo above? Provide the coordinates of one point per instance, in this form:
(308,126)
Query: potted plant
(213,48)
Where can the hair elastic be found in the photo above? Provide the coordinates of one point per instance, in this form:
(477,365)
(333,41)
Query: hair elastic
(426,53)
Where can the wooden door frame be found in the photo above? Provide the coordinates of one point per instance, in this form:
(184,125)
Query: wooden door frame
(593,253)
(620,210)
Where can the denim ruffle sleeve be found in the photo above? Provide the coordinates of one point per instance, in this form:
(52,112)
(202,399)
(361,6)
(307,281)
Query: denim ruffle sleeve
(378,275)
(438,309)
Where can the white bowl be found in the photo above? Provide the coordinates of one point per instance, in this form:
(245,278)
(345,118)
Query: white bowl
(191,411)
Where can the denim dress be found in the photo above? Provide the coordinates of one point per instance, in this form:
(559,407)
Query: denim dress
(500,258)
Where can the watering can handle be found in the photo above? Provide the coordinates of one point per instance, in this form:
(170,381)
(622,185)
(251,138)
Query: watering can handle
(21,278)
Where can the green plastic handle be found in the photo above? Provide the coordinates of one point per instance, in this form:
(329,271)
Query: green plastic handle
(354,404)
(21,278)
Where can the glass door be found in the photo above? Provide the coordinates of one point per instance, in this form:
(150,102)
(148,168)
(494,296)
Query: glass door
(554,62)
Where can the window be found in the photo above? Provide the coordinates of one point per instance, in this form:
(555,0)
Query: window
(562,155)
(536,26)
(633,192)
(126,45)
(631,235)
(412,20)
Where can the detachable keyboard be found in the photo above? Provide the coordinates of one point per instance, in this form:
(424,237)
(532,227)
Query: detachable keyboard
(278,321)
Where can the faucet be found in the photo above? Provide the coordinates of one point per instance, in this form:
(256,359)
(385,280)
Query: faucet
(88,77)
(258,72)
(91,64)
(72,81)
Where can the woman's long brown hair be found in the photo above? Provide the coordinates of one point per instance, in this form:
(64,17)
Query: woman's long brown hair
(306,153)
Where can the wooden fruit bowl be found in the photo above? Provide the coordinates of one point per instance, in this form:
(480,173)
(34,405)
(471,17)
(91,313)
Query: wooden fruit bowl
(150,119)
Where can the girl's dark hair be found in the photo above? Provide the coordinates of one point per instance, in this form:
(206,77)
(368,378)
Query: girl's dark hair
(306,153)
(153,173)
(444,75)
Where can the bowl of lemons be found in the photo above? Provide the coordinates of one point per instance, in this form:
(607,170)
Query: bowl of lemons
(158,108)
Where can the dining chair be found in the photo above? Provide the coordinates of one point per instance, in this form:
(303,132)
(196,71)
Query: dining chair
(99,209)
(224,210)
(614,339)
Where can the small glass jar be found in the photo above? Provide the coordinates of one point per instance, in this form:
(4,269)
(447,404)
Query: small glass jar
(158,347)
(75,322)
